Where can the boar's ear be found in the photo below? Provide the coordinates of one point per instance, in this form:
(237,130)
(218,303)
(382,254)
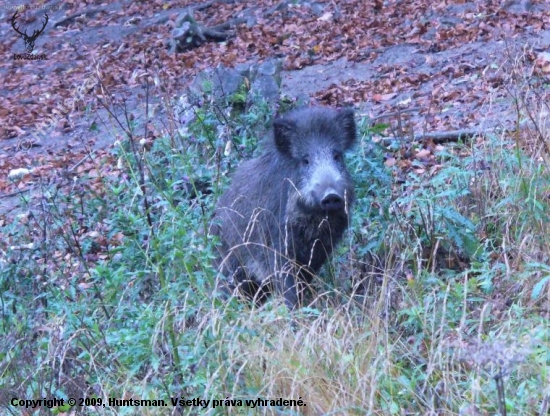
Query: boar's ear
(345,119)
(283,131)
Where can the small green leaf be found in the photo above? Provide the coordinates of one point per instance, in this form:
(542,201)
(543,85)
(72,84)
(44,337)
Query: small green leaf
(537,289)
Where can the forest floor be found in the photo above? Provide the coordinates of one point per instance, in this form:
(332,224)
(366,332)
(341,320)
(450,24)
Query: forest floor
(420,65)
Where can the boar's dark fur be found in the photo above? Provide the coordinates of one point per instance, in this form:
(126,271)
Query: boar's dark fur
(287,209)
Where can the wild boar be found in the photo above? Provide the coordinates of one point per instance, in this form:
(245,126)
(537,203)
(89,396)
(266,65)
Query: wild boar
(287,209)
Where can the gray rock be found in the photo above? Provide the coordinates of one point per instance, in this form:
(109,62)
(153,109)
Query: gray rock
(221,83)
(266,84)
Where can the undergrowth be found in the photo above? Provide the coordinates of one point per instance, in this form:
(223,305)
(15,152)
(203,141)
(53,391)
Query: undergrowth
(437,304)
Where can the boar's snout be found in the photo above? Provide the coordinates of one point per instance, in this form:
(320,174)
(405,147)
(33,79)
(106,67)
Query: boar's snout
(328,191)
(331,201)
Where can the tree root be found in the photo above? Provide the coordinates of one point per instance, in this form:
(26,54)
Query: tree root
(189,34)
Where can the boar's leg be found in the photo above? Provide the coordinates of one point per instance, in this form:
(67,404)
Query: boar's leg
(258,293)
(287,286)
(290,291)
(292,283)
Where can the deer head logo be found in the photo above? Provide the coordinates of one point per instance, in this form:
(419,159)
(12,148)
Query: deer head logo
(29,40)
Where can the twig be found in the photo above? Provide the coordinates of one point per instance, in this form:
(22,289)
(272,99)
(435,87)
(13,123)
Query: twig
(227,25)
(544,406)
(500,390)
(200,7)
(14,193)
(393,114)
(77,164)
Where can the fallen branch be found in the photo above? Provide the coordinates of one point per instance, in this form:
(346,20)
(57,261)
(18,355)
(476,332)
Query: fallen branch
(83,13)
(436,137)
(278,7)
(449,136)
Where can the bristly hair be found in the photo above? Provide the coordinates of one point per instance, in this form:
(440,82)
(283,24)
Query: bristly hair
(314,124)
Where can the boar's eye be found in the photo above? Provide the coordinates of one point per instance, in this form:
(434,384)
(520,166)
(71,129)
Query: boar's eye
(337,156)
(305,160)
